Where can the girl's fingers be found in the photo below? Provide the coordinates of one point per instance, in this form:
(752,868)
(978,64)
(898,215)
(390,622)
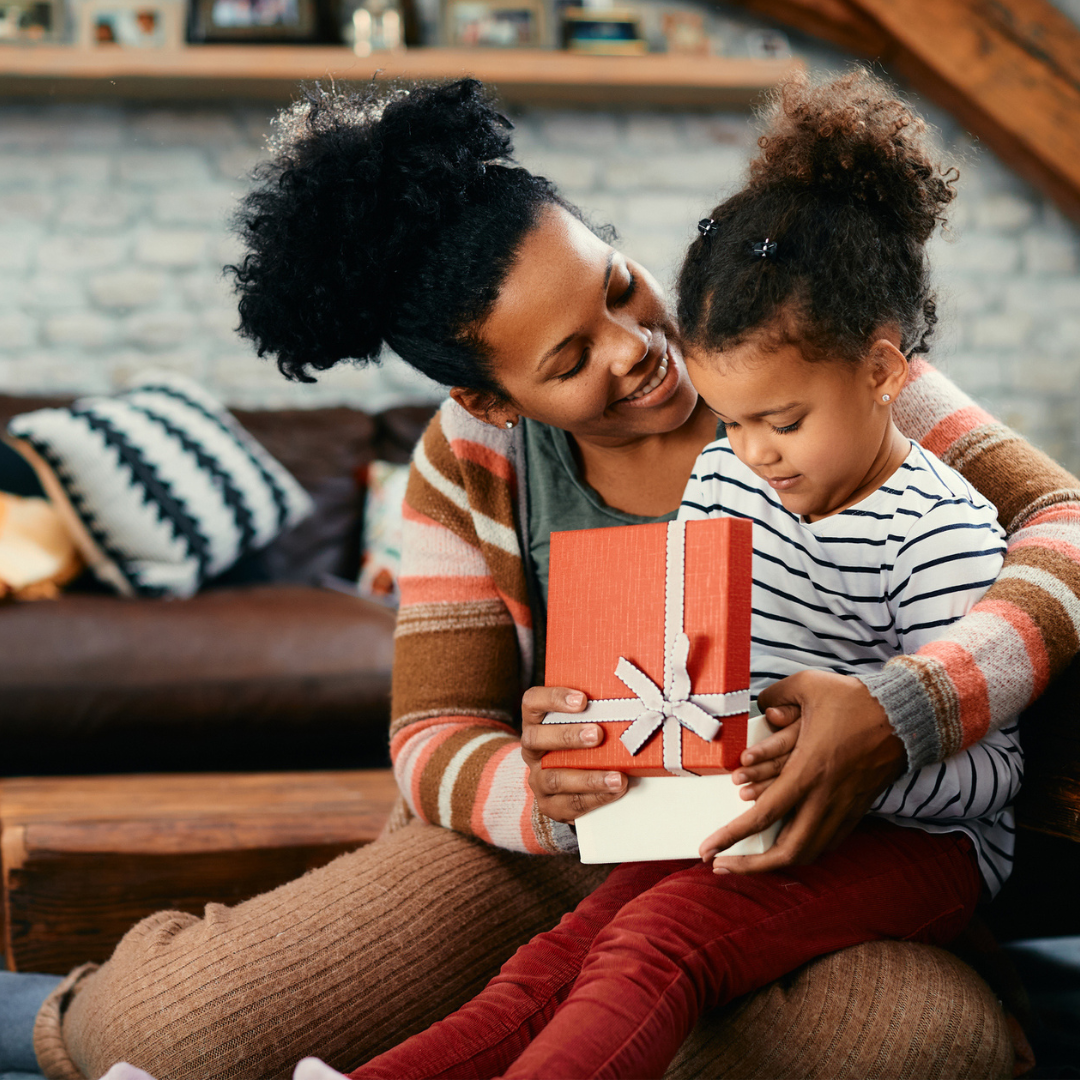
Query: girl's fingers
(751,792)
(779,744)
(753,774)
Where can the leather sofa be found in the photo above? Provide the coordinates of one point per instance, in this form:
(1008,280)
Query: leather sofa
(276,665)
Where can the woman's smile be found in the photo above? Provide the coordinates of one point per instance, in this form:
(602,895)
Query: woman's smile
(659,387)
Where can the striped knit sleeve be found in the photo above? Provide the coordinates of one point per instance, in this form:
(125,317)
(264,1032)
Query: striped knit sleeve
(995,661)
(458,667)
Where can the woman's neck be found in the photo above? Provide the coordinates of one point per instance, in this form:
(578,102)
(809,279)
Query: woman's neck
(646,475)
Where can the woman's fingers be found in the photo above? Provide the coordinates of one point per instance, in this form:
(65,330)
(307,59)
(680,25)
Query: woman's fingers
(569,793)
(538,701)
(754,774)
(783,794)
(563,794)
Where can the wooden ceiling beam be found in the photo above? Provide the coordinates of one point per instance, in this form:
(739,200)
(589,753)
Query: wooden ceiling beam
(1008,70)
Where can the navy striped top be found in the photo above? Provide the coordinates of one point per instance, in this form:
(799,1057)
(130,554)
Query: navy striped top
(849,591)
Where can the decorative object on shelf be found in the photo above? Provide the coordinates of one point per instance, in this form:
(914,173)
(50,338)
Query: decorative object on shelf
(130,24)
(603,31)
(502,24)
(30,21)
(253,20)
(374,26)
(768,45)
(685,33)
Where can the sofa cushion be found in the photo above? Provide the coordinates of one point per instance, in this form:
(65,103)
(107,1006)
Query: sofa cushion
(164,489)
(263,676)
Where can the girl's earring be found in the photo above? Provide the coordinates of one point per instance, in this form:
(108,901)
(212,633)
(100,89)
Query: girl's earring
(886,398)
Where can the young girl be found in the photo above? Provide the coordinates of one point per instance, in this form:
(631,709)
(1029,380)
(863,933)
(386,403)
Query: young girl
(801,303)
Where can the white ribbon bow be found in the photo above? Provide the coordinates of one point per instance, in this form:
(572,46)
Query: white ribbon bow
(674,712)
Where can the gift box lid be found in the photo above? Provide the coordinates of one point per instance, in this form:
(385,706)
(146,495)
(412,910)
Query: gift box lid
(609,598)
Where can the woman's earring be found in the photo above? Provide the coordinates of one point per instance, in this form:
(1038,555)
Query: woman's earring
(511,423)
(886,398)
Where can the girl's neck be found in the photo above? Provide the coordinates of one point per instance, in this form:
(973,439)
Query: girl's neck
(646,475)
(893,453)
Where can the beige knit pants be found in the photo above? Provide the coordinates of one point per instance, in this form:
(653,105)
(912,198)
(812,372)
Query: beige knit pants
(350,959)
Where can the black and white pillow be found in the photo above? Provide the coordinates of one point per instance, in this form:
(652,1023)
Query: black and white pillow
(161,487)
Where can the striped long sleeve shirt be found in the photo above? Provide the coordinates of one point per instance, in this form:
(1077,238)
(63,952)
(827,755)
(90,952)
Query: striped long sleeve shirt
(465,641)
(848,592)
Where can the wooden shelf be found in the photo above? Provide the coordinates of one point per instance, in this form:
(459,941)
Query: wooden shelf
(271,72)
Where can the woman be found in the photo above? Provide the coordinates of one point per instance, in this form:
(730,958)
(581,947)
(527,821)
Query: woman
(400,219)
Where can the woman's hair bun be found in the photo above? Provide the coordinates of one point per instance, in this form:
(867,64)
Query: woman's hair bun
(852,136)
(359,186)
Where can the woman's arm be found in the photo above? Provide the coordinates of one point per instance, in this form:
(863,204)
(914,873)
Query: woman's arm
(1026,629)
(463,648)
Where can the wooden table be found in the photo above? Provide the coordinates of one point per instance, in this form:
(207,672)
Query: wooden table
(83,858)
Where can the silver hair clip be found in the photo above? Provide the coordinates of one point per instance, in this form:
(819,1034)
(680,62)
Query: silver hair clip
(765,249)
(706,226)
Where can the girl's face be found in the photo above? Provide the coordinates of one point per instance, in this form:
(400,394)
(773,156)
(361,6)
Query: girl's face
(581,340)
(817,433)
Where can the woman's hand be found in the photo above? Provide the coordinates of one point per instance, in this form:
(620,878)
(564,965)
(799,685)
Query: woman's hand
(846,754)
(563,794)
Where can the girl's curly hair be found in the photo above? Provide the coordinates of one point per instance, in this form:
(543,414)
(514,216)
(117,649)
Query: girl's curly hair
(848,191)
(386,215)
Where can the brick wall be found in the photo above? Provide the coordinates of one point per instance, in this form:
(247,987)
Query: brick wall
(112,238)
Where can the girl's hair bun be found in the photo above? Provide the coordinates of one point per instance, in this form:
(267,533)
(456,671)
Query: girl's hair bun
(853,137)
(362,189)
(826,245)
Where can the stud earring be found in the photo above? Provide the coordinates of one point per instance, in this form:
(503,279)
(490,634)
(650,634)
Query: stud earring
(886,398)
(511,423)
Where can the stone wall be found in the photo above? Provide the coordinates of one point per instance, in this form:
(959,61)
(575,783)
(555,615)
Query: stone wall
(113,234)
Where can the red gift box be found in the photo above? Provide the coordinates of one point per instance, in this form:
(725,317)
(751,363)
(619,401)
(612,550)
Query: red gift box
(652,622)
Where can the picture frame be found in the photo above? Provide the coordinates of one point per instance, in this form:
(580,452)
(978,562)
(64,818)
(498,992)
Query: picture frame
(497,24)
(29,22)
(130,24)
(286,21)
(603,31)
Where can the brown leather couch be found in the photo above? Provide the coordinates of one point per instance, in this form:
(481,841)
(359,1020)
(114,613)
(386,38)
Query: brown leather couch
(275,665)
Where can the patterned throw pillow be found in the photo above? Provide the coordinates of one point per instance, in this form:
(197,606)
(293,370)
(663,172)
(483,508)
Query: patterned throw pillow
(160,486)
(381,559)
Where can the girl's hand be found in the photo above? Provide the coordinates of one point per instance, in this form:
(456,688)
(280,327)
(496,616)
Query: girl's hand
(563,794)
(846,754)
(761,763)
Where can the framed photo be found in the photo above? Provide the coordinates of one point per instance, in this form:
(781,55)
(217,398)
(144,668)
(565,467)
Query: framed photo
(603,31)
(130,24)
(25,21)
(254,20)
(498,24)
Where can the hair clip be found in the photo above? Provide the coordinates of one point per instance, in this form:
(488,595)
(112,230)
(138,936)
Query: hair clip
(706,226)
(765,249)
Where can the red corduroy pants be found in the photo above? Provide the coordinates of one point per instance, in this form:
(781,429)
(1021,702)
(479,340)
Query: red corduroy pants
(617,986)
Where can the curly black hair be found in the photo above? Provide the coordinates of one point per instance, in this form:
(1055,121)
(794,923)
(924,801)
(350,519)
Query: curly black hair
(384,215)
(847,194)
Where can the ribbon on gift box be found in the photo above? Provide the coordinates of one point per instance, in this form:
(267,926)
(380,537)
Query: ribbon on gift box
(675,706)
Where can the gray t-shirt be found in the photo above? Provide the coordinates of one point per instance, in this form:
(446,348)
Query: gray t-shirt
(559,499)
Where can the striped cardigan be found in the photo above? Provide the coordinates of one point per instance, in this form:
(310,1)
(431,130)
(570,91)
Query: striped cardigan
(465,644)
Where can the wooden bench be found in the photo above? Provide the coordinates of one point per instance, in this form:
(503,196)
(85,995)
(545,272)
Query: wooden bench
(83,858)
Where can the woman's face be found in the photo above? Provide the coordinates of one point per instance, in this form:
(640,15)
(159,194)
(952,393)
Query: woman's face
(581,339)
